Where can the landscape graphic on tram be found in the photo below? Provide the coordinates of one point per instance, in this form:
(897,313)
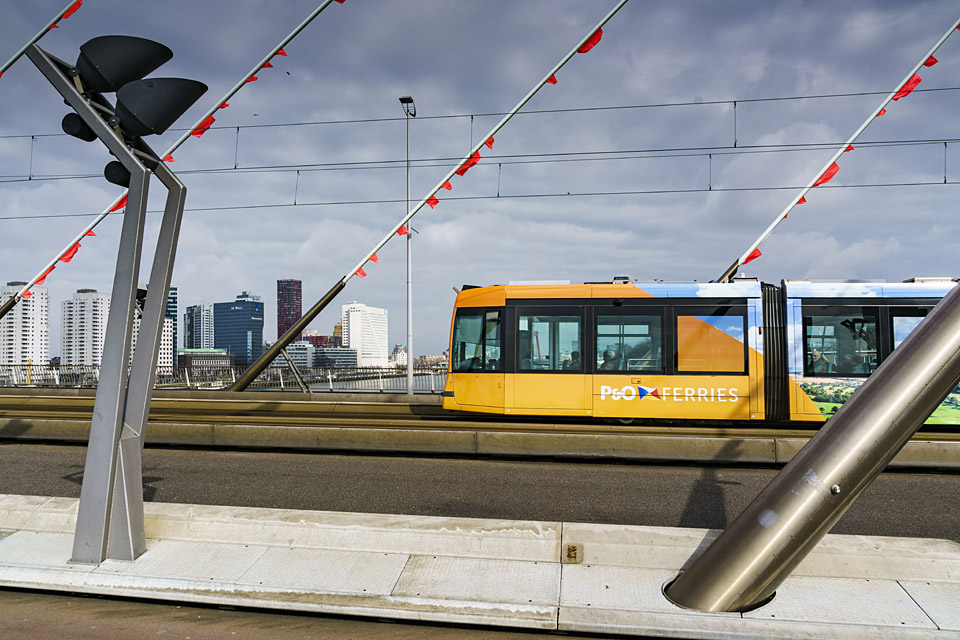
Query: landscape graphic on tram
(742,350)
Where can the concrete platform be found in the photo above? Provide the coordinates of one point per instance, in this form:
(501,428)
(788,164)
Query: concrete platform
(540,575)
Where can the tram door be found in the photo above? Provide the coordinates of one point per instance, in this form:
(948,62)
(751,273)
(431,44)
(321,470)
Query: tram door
(550,376)
(476,359)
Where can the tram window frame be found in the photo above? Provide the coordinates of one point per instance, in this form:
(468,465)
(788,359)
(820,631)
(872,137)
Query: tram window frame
(832,354)
(556,365)
(717,310)
(484,347)
(651,316)
(921,311)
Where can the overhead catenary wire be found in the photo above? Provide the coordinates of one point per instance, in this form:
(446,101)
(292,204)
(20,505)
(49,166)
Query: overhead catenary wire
(746,256)
(469,160)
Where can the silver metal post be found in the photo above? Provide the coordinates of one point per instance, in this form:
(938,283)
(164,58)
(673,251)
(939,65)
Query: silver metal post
(757,552)
(409,275)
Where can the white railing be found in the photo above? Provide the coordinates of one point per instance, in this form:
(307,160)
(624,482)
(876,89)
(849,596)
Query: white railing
(317,379)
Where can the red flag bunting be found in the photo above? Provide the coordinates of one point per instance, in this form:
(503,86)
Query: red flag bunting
(281,52)
(360,272)
(802,200)
(341,1)
(252,79)
(73,8)
(753,256)
(489,143)
(882,111)
(121,203)
(224,105)
(68,256)
(591,41)
(27,294)
(446,185)
(552,79)
(169,158)
(203,127)
(374,258)
(54,26)
(827,175)
(267,65)
(850,148)
(930,62)
(474,159)
(1,74)
(908,86)
(90,233)
(432,201)
(43,276)
(402,231)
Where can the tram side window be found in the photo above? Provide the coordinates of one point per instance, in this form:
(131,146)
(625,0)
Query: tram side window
(839,341)
(476,342)
(711,340)
(629,343)
(905,321)
(548,342)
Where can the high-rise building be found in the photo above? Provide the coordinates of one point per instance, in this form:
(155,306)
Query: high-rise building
(171,312)
(238,328)
(198,327)
(365,330)
(164,357)
(84,326)
(25,330)
(289,306)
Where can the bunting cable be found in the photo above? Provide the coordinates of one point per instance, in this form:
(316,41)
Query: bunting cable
(471,159)
(830,169)
(197,130)
(66,12)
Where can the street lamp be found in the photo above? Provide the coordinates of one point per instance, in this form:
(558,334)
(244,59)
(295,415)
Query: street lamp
(410,110)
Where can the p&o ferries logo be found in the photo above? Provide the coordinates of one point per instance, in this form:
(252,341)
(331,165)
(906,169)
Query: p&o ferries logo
(677,394)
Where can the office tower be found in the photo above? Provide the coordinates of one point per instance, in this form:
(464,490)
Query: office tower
(238,328)
(289,309)
(172,311)
(84,326)
(165,354)
(25,330)
(365,330)
(198,327)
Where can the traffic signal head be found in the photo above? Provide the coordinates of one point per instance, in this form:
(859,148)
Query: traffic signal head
(151,105)
(106,63)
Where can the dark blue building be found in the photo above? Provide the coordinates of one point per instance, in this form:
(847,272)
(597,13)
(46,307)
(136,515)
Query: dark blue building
(238,328)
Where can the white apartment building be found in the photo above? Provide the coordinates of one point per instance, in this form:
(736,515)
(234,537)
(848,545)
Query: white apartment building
(365,330)
(165,357)
(25,330)
(198,327)
(84,326)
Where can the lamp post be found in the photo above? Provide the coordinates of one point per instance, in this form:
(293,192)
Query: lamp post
(410,109)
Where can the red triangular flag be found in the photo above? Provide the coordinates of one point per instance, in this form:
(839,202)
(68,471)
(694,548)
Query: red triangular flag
(930,62)
(169,158)
(90,233)
(54,26)
(360,272)
(827,175)
(753,256)
(402,231)
(850,148)
(591,41)
(881,112)
(472,160)
(224,105)
(203,127)
(281,52)
(68,256)
(43,276)
(252,79)
(489,143)
(432,201)
(1,74)
(340,1)
(552,79)
(267,65)
(121,203)
(446,185)
(908,86)
(375,258)
(27,294)
(802,200)
(73,8)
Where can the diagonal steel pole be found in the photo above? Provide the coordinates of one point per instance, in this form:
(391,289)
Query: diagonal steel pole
(732,269)
(65,12)
(264,360)
(183,138)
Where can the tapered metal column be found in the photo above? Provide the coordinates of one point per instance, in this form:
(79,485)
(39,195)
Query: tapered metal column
(757,552)
(409,277)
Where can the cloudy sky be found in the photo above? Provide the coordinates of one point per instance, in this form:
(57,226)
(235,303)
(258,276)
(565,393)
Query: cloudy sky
(636,163)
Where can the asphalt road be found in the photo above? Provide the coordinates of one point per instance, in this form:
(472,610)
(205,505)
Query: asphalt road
(915,504)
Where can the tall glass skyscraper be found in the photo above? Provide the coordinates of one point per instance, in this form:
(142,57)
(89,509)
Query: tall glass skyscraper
(289,309)
(238,328)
